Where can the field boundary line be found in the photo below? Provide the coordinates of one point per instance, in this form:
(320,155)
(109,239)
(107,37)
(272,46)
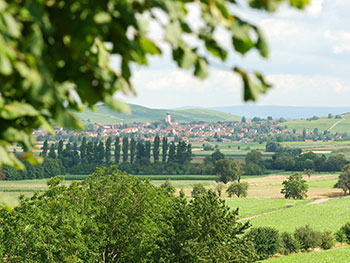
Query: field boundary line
(335,124)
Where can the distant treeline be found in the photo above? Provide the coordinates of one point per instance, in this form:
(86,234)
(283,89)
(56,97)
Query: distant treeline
(162,158)
(132,156)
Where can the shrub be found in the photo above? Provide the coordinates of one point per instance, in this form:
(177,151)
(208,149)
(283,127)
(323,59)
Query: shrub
(198,190)
(288,244)
(238,189)
(345,230)
(168,187)
(266,241)
(340,236)
(327,240)
(307,237)
(219,187)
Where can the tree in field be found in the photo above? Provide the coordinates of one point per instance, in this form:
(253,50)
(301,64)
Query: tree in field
(140,153)
(132,150)
(52,153)
(344,179)
(45,149)
(295,187)
(60,148)
(147,154)
(228,170)
(238,189)
(189,153)
(117,150)
(108,154)
(125,149)
(156,145)
(48,69)
(164,149)
(83,149)
(172,153)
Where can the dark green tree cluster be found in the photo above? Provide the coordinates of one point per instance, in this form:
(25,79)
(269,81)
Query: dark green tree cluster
(49,168)
(290,162)
(268,241)
(115,217)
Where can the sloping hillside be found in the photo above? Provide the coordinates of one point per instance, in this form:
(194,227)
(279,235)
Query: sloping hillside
(104,115)
(332,125)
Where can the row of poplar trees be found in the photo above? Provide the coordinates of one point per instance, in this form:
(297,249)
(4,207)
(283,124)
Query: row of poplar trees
(123,150)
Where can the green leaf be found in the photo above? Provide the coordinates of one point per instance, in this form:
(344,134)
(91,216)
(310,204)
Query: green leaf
(261,44)
(201,69)
(301,4)
(69,120)
(251,88)
(7,158)
(117,105)
(173,34)
(102,18)
(12,134)
(15,110)
(184,57)
(13,27)
(31,158)
(214,48)
(241,39)
(5,64)
(149,46)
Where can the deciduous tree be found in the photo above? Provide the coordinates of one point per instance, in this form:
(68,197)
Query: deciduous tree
(48,70)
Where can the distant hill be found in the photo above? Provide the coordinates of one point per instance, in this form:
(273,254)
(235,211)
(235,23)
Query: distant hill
(287,112)
(333,125)
(104,115)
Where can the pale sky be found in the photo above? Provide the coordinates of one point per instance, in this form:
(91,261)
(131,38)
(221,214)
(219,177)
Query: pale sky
(309,63)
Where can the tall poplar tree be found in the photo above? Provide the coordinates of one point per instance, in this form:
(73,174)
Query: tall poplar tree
(164,149)
(125,149)
(52,153)
(132,150)
(147,152)
(140,153)
(156,145)
(83,149)
(172,153)
(60,149)
(117,150)
(45,149)
(108,154)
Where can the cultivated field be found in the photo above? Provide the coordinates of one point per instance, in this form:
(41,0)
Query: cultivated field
(336,255)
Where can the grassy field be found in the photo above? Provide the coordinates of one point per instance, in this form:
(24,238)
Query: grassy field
(253,206)
(321,124)
(104,115)
(330,215)
(336,255)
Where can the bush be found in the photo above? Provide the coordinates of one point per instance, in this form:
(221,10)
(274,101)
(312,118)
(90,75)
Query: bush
(327,240)
(266,241)
(288,244)
(307,237)
(168,187)
(345,232)
(340,236)
(238,189)
(198,190)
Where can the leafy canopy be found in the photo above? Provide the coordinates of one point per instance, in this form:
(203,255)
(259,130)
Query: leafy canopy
(55,55)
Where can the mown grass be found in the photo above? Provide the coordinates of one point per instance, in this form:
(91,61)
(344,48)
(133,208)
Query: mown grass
(253,206)
(330,215)
(336,255)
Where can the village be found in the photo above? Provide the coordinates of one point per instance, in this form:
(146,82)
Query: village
(246,130)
